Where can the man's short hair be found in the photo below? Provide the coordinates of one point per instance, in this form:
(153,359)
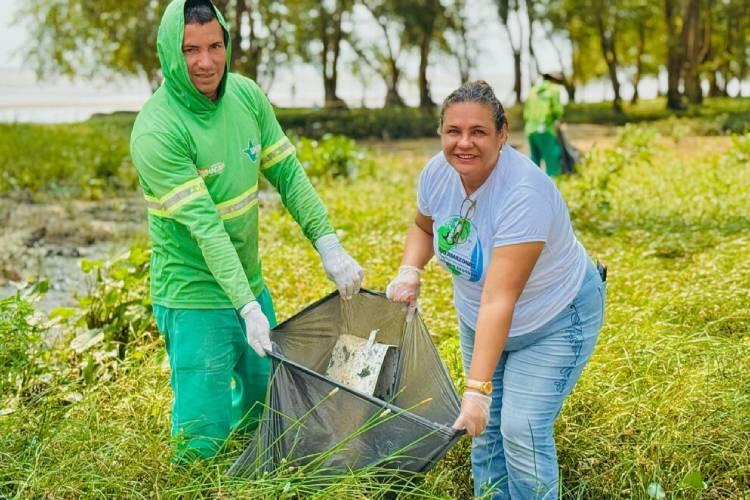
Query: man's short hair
(198,12)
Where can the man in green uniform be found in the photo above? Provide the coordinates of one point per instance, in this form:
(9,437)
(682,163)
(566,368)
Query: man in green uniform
(541,115)
(199,145)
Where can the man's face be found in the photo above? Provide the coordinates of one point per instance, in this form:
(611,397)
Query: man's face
(205,55)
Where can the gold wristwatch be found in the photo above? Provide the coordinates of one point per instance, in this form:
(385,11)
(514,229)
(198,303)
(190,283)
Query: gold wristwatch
(479,386)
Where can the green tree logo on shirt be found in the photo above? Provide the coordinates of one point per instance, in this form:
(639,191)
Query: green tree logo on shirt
(252,152)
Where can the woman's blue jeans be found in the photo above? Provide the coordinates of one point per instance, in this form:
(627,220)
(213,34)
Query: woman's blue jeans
(515,457)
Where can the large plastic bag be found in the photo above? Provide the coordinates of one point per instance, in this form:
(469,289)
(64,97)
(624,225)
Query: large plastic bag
(313,421)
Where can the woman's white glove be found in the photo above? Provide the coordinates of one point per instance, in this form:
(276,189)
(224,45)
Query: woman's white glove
(340,267)
(257,328)
(475,411)
(404,288)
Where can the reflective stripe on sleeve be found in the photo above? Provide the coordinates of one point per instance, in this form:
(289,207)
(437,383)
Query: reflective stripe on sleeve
(238,205)
(176,198)
(275,153)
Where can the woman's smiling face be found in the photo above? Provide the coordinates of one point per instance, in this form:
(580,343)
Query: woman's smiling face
(471,142)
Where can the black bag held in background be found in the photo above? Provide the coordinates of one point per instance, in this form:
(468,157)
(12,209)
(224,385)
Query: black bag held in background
(569,154)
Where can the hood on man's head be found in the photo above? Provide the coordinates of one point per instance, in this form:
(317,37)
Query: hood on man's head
(169,47)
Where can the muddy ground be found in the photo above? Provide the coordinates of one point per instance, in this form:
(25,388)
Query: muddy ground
(48,240)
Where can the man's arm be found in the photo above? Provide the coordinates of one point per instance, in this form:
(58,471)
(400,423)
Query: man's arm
(280,166)
(174,190)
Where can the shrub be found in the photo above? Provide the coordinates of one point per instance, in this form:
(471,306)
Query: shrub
(21,342)
(81,159)
(388,123)
(333,155)
(117,309)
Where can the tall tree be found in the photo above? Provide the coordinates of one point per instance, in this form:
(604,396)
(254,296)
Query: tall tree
(605,15)
(461,44)
(92,38)
(384,55)
(639,35)
(262,39)
(727,45)
(509,10)
(423,21)
(320,32)
(696,35)
(674,54)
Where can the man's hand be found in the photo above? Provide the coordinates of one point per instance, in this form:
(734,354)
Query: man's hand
(475,411)
(256,328)
(340,267)
(404,288)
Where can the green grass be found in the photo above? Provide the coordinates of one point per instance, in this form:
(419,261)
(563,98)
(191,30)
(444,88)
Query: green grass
(665,399)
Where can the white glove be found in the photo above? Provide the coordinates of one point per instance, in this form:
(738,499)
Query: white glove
(475,411)
(404,288)
(340,267)
(256,328)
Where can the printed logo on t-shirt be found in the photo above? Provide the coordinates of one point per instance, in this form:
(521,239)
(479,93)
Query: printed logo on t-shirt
(252,151)
(214,169)
(459,248)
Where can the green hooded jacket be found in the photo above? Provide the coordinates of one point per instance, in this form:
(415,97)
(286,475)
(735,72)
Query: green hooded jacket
(198,163)
(542,108)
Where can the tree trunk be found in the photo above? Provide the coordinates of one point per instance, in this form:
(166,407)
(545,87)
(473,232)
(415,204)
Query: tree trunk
(674,57)
(517,72)
(533,61)
(425,100)
(392,97)
(331,50)
(607,43)
(640,44)
(714,88)
(692,43)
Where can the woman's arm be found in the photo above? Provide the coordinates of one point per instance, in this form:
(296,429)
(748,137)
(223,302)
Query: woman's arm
(418,249)
(510,268)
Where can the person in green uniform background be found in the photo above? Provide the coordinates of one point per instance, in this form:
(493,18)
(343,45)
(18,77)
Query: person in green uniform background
(541,115)
(199,145)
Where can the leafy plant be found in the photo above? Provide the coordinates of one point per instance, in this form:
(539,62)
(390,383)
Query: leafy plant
(332,156)
(21,340)
(116,312)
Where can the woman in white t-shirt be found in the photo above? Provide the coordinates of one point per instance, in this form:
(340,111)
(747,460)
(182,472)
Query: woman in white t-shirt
(530,301)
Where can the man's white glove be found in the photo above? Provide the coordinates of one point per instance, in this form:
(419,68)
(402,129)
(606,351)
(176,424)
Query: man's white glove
(404,288)
(475,411)
(340,267)
(256,328)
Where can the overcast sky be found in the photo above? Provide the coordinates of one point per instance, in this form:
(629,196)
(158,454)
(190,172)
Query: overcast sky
(11,35)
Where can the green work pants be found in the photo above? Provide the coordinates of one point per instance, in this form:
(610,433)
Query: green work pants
(216,378)
(544,146)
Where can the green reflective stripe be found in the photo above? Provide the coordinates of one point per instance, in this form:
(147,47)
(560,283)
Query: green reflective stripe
(152,202)
(276,153)
(159,213)
(154,206)
(176,198)
(238,205)
(183,194)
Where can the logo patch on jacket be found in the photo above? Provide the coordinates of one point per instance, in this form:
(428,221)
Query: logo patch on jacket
(252,152)
(214,169)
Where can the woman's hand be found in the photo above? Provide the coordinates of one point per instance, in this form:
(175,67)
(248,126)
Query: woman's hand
(404,288)
(475,412)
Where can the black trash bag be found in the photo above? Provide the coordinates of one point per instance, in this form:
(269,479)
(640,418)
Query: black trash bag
(315,422)
(569,154)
